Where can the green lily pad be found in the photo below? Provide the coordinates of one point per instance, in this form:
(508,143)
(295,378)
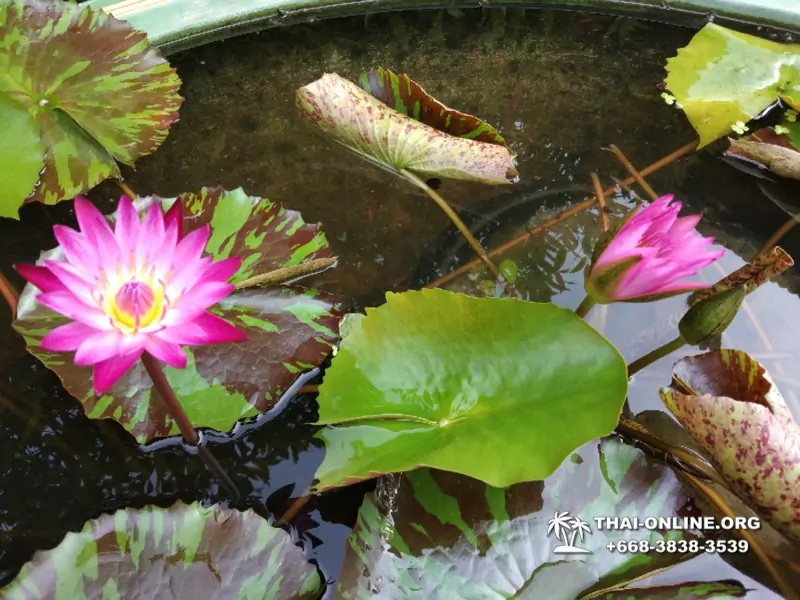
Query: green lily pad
(407,97)
(184,551)
(97,90)
(21,154)
(395,141)
(731,407)
(690,590)
(289,329)
(723,77)
(494,388)
(434,534)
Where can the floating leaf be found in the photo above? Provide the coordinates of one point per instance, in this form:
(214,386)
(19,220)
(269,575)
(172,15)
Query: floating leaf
(690,590)
(184,551)
(494,388)
(445,536)
(407,97)
(761,269)
(729,405)
(368,127)
(722,77)
(21,156)
(95,87)
(783,160)
(289,329)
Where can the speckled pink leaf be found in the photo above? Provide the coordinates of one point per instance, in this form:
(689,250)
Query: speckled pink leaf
(729,404)
(368,127)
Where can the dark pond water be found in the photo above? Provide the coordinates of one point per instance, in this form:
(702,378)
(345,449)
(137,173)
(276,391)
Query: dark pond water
(560,86)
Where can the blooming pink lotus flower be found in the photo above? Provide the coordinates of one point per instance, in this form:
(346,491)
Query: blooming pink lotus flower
(649,255)
(142,287)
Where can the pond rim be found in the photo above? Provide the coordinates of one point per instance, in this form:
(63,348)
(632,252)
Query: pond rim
(176,25)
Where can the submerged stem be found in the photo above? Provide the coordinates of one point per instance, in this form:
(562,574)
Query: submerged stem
(778,235)
(188,431)
(633,172)
(490,266)
(11,295)
(585,306)
(292,511)
(654,355)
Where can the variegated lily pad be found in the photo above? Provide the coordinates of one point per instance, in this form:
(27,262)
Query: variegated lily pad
(731,407)
(289,329)
(97,90)
(185,551)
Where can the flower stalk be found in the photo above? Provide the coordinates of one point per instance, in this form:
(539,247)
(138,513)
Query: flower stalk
(189,433)
(654,355)
(585,306)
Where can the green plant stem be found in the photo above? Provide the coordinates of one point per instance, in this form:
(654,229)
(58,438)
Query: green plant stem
(585,306)
(188,431)
(287,274)
(473,243)
(9,292)
(654,355)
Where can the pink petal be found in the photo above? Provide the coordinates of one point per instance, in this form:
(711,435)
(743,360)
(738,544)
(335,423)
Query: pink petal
(108,372)
(97,231)
(187,277)
(175,216)
(67,304)
(195,302)
(205,329)
(151,234)
(73,280)
(77,249)
(190,248)
(222,270)
(684,225)
(167,352)
(126,230)
(67,338)
(98,347)
(41,277)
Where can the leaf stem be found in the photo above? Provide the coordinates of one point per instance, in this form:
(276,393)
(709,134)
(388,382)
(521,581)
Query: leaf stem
(490,266)
(663,162)
(638,177)
(778,235)
(188,431)
(126,189)
(397,417)
(288,274)
(585,306)
(292,511)
(654,355)
(11,295)
(601,200)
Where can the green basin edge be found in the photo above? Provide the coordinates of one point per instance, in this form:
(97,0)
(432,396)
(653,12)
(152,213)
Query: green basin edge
(176,25)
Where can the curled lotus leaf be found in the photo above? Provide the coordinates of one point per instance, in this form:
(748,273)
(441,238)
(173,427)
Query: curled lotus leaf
(289,329)
(96,91)
(376,132)
(184,551)
(723,77)
(782,159)
(407,97)
(493,388)
(732,408)
(434,534)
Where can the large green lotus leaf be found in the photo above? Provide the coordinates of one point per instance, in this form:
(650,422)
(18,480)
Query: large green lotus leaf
(407,97)
(394,141)
(723,76)
(184,551)
(289,329)
(97,90)
(495,388)
(732,408)
(434,534)
(21,155)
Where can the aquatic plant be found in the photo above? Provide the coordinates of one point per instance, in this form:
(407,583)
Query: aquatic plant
(492,410)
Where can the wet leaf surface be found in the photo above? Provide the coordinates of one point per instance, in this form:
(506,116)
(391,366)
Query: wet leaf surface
(407,97)
(290,329)
(434,534)
(376,132)
(731,406)
(691,590)
(723,77)
(497,389)
(21,154)
(185,551)
(97,91)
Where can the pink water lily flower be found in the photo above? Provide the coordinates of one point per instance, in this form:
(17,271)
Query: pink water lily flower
(650,255)
(143,287)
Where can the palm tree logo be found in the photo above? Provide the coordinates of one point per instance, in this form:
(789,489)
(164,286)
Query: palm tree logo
(566,529)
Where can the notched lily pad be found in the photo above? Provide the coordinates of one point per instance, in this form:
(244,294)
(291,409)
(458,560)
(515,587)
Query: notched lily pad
(723,77)
(497,389)
(376,132)
(407,97)
(732,408)
(290,329)
(434,534)
(97,90)
(184,551)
